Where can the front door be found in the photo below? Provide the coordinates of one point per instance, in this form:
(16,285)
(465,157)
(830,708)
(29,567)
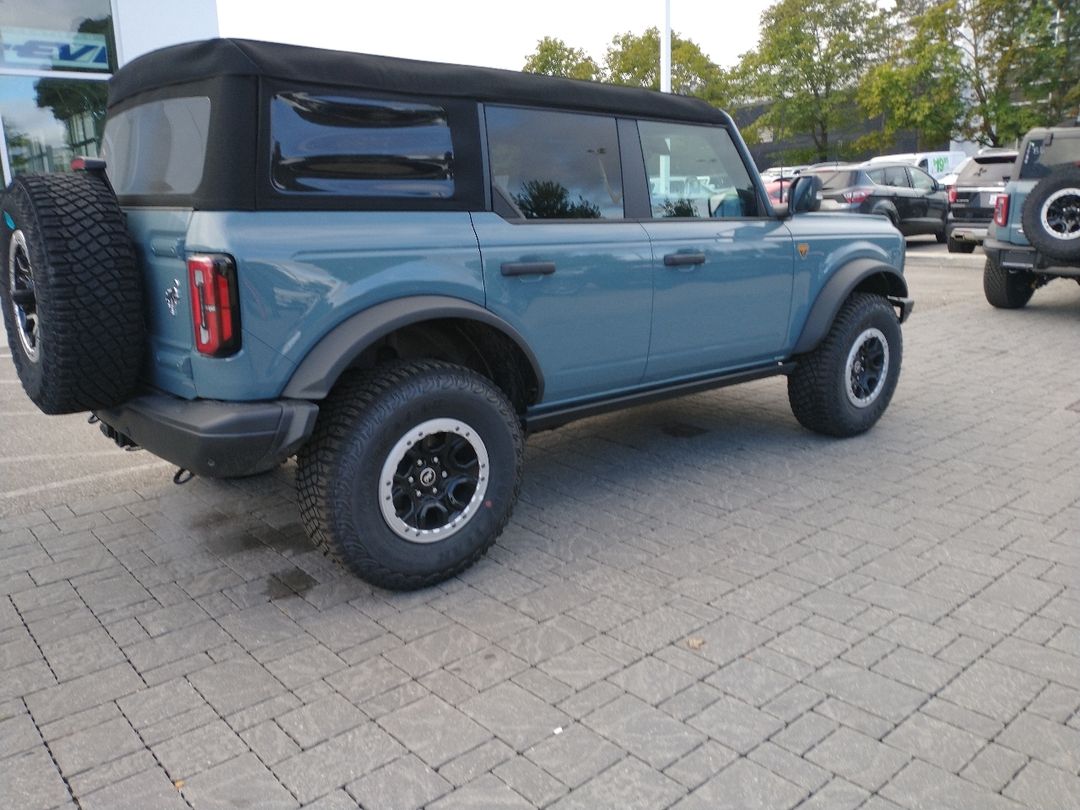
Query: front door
(722,270)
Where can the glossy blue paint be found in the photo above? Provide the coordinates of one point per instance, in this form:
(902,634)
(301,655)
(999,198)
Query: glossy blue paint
(1013,233)
(832,241)
(300,274)
(731,310)
(589,321)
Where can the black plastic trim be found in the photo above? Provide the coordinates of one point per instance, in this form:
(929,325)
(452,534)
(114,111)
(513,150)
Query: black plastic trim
(538,419)
(211,438)
(836,290)
(324,364)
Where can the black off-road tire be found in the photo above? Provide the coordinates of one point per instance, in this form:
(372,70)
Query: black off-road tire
(941,236)
(1051,215)
(956,246)
(71,292)
(1005,289)
(361,425)
(823,390)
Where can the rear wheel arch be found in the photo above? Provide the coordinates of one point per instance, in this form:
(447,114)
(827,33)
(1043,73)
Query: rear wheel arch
(422,327)
(861,275)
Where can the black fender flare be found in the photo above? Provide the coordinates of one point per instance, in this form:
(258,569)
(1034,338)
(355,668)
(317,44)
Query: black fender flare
(885,279)
(335,352)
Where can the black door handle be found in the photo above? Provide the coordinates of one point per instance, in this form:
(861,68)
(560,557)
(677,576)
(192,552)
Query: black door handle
(683,259)
(528,268)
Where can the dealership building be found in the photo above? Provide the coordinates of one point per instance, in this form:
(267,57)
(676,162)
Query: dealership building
(56,57)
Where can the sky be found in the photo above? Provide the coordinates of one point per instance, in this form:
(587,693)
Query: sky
(492,33)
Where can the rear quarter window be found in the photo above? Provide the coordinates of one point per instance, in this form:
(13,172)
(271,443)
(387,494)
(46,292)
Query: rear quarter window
(326,144)
(158,147)
(1039,157)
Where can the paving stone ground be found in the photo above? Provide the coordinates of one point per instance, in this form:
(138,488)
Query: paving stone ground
(697,605)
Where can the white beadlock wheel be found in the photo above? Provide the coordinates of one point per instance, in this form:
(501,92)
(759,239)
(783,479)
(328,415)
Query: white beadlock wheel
(866,368)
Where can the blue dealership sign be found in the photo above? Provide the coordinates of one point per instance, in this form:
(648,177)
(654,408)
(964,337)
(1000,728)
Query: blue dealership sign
(58,50)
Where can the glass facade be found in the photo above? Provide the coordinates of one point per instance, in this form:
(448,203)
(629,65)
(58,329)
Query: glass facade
(55,59)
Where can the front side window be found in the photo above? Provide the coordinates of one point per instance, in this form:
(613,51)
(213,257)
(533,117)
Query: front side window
(338,145)
(922,181)
(695,171)
(555,165)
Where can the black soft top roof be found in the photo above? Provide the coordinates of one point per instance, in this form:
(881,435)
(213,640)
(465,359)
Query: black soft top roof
(196,61)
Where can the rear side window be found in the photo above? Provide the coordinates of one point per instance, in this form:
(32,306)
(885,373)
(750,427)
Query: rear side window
(158,147)
(555,165)
(695,171)
(338,145)
(1040,157)
(986,171)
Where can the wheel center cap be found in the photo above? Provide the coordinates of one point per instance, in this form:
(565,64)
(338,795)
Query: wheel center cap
(427,476)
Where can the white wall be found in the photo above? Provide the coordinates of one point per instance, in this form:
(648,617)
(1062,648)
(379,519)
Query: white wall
(145,25)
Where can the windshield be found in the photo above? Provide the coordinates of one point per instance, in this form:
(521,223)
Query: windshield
(983,171)
(1042,155)
(158,147)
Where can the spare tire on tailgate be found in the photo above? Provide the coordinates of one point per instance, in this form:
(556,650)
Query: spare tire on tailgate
(71,292)
(1051,215)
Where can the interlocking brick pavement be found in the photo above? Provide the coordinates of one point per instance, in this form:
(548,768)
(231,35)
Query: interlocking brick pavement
(697,605)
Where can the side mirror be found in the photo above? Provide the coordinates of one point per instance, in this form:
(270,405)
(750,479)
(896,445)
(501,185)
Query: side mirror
(804,194)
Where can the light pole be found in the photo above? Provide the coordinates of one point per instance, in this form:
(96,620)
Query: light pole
(665,50)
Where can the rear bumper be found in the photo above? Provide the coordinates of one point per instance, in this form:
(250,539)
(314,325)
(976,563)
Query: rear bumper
(961,231)
(1027,259)
(211,438)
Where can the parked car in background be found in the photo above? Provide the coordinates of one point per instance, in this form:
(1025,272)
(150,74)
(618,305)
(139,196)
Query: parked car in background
(910,198)
(971,199)
(777,179)
(936,164)
(1034,236)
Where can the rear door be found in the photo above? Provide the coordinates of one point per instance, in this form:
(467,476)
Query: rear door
(561,262)
(722,267)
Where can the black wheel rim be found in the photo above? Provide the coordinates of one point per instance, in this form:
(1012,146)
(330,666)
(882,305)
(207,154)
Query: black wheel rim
(23,295)
(1061,213)
(433,480)
(866,368)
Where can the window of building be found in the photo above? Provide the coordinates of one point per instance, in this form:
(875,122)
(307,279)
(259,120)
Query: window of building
(555,165)
(695,171)
(55,59)
(329,144)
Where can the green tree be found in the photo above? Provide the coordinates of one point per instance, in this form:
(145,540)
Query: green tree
(920,86)
(809,60)
(553,57)
(634,59)
(1051,74)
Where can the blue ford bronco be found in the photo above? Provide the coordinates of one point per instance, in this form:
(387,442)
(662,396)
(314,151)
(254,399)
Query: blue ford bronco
(393,270)
(1035,234)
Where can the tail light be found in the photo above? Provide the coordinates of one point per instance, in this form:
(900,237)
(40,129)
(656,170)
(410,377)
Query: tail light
(1001,210)
(952,194)
(857,195)
(215,305)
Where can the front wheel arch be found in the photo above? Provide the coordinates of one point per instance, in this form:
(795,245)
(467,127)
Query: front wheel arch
(859,276)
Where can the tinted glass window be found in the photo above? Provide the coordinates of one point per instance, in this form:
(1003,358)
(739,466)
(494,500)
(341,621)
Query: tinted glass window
(158,147)
(896,176)
(986,171)
(554,165)
(836,179)
(1041,157)
(326,144)
(921,180)
(695,171)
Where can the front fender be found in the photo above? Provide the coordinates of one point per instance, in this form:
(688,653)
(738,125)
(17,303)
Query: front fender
(859,274)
